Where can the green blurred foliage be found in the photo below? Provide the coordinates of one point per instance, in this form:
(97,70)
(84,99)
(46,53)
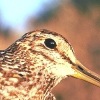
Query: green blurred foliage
(5,31)
(47,15)
(85,5)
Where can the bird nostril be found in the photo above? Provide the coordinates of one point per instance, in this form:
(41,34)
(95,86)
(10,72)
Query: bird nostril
(80,68)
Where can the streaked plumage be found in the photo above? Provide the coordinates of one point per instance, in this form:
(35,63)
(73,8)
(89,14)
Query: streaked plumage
(32,66)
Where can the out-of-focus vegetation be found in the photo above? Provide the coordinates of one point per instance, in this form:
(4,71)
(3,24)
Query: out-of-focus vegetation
(86,5)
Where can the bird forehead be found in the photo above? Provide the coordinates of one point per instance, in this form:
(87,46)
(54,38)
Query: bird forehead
(56,37)
(44,34)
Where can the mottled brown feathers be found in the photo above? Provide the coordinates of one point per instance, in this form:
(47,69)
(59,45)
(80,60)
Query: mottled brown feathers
(29,70)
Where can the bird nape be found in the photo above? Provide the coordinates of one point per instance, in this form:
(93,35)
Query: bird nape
(34,64)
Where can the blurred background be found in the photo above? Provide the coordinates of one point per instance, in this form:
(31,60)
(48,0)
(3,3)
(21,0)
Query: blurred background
(77,20)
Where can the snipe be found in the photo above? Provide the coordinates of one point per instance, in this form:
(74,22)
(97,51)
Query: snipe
(32,66)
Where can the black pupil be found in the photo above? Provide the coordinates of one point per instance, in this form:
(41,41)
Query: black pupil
(50,43)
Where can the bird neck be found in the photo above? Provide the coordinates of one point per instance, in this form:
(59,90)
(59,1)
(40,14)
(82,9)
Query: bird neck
(29,75)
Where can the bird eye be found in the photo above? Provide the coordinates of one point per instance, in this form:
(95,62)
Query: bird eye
(50,43)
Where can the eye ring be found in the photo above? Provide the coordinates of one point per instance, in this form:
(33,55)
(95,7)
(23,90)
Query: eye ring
(50,43)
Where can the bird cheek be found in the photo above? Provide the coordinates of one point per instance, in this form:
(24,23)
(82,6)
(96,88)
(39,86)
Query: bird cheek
(63,70)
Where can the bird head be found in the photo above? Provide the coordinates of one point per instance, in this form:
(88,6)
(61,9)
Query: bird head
(37,62)
(52,55)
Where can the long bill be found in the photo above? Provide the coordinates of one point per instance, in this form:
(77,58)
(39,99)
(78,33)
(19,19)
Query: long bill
(85,74)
